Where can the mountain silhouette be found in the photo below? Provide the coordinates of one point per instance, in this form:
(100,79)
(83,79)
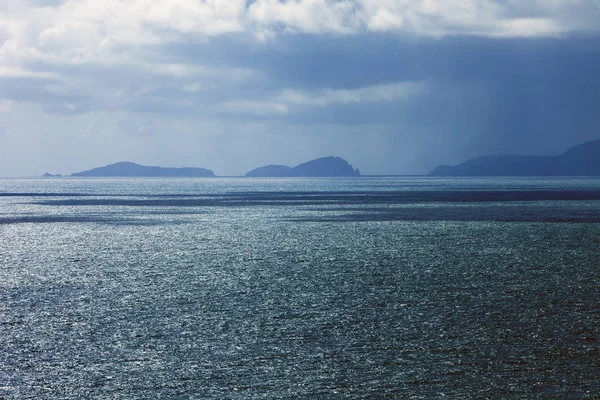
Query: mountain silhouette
(131,169)
(581,160)
(321,167)
(271,171)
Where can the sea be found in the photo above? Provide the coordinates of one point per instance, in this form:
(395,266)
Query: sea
(324,288)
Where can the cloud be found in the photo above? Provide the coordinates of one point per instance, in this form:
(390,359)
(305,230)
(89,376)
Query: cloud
(5,106)
(288,102)
(135,32)
(212,17)
(11,72)
(255,108)
(419,77)
(84,29)
(436,18)
(370,94)
(465,17)
(307,16)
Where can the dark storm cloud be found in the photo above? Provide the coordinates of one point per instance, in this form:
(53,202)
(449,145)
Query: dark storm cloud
(535,90)
(343,62)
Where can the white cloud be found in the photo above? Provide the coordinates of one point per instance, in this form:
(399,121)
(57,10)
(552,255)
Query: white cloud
(288,101)
(310,16)
(115,31)
(424,17)
(211,17)
(255,108)
(369,94)
(194,87)
(467,17)
(94,31)
(12,72)
(527,27)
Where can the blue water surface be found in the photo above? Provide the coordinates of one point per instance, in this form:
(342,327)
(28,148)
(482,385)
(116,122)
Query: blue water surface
(358,288)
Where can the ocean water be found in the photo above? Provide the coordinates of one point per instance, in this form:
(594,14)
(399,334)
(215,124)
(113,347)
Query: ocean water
(367,288)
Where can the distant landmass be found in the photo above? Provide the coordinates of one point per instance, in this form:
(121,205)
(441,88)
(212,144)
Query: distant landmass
(131,169)
(271,171)
(321,167)
(49,175)
(581,160)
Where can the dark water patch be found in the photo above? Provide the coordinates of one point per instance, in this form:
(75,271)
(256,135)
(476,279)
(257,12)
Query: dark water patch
(46,219)
(42,194)
(408,196)
(339,198)
(89,194)
(176,203)
(466,214)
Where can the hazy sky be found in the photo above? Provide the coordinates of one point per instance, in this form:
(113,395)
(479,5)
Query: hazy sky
(393,86)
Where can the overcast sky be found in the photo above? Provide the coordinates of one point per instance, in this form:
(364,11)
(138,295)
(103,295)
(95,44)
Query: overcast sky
(393,86)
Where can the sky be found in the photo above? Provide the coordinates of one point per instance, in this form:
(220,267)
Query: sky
(392,86)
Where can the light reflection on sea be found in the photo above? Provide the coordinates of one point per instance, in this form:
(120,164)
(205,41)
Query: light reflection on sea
(299,288)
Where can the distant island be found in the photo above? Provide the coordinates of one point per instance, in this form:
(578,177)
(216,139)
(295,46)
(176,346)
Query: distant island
(321,167)
(131,169)
(49,175)
(581,160)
